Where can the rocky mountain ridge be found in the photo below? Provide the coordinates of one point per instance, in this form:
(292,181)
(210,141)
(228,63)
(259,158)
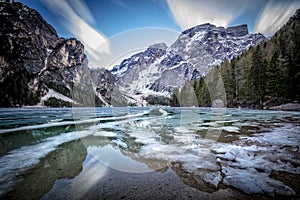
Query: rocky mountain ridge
(160,69)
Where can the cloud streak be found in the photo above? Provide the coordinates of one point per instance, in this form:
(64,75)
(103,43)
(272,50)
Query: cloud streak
(189,13)
(82,10)
(275,15)
(75,18)
(120,3)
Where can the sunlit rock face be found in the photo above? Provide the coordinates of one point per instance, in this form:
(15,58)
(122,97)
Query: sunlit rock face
(34,60)
(66,69)
(161,68)
(67,54)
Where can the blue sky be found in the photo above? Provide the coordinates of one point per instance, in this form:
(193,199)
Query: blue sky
(114,16)
(97,22)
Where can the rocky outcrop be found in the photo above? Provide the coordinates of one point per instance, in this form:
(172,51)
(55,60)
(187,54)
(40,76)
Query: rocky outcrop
(35,62)
(25,39)
(104,84)
(139,62)
(237,31)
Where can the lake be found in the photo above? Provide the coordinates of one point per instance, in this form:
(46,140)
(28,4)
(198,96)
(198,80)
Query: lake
(148,152)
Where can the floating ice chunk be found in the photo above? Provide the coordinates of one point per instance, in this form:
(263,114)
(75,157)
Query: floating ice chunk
(242,156)
(105,134)
(231,129)
(120,143)
(252,182)
(212,178)
(226,156)
(193,163)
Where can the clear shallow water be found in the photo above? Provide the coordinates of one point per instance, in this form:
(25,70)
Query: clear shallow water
(217,147)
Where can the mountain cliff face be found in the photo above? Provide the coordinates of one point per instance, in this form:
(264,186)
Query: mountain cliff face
(36,64)
(160,69)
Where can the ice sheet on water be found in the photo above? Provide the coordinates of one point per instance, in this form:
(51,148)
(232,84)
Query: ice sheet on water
(288,135)
(245,164)
(194,162)
(20,160)
(76,122)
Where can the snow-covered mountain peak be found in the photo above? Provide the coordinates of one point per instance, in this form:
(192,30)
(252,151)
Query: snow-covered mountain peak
(160,68)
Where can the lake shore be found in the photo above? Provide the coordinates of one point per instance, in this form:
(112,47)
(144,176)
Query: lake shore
(152,185)
(286,107)
(155,185)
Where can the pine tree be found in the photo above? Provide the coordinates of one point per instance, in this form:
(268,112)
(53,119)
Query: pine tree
(257,76)
(272,74)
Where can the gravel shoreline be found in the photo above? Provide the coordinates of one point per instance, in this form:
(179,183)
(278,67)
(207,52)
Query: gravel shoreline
(286,107)
(151,185)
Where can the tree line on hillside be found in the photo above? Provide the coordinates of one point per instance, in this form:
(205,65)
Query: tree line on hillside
(265,75)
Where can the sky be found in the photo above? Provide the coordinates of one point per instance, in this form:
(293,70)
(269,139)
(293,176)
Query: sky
(112,30)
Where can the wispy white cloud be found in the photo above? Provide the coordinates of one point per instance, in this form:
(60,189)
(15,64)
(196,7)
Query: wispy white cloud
(82,10)
(274,15)
(189,13)
(120,3)
(75,18)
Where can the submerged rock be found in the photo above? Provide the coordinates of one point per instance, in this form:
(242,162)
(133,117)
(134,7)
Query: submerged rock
(157,112)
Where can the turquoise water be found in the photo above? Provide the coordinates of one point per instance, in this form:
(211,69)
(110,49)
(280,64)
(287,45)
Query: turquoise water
(220,147)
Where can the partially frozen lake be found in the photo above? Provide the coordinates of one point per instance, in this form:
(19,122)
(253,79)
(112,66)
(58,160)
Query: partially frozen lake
(65,151)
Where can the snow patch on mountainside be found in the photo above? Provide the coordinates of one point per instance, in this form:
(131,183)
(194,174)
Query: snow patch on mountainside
(145,79)
(53,93)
